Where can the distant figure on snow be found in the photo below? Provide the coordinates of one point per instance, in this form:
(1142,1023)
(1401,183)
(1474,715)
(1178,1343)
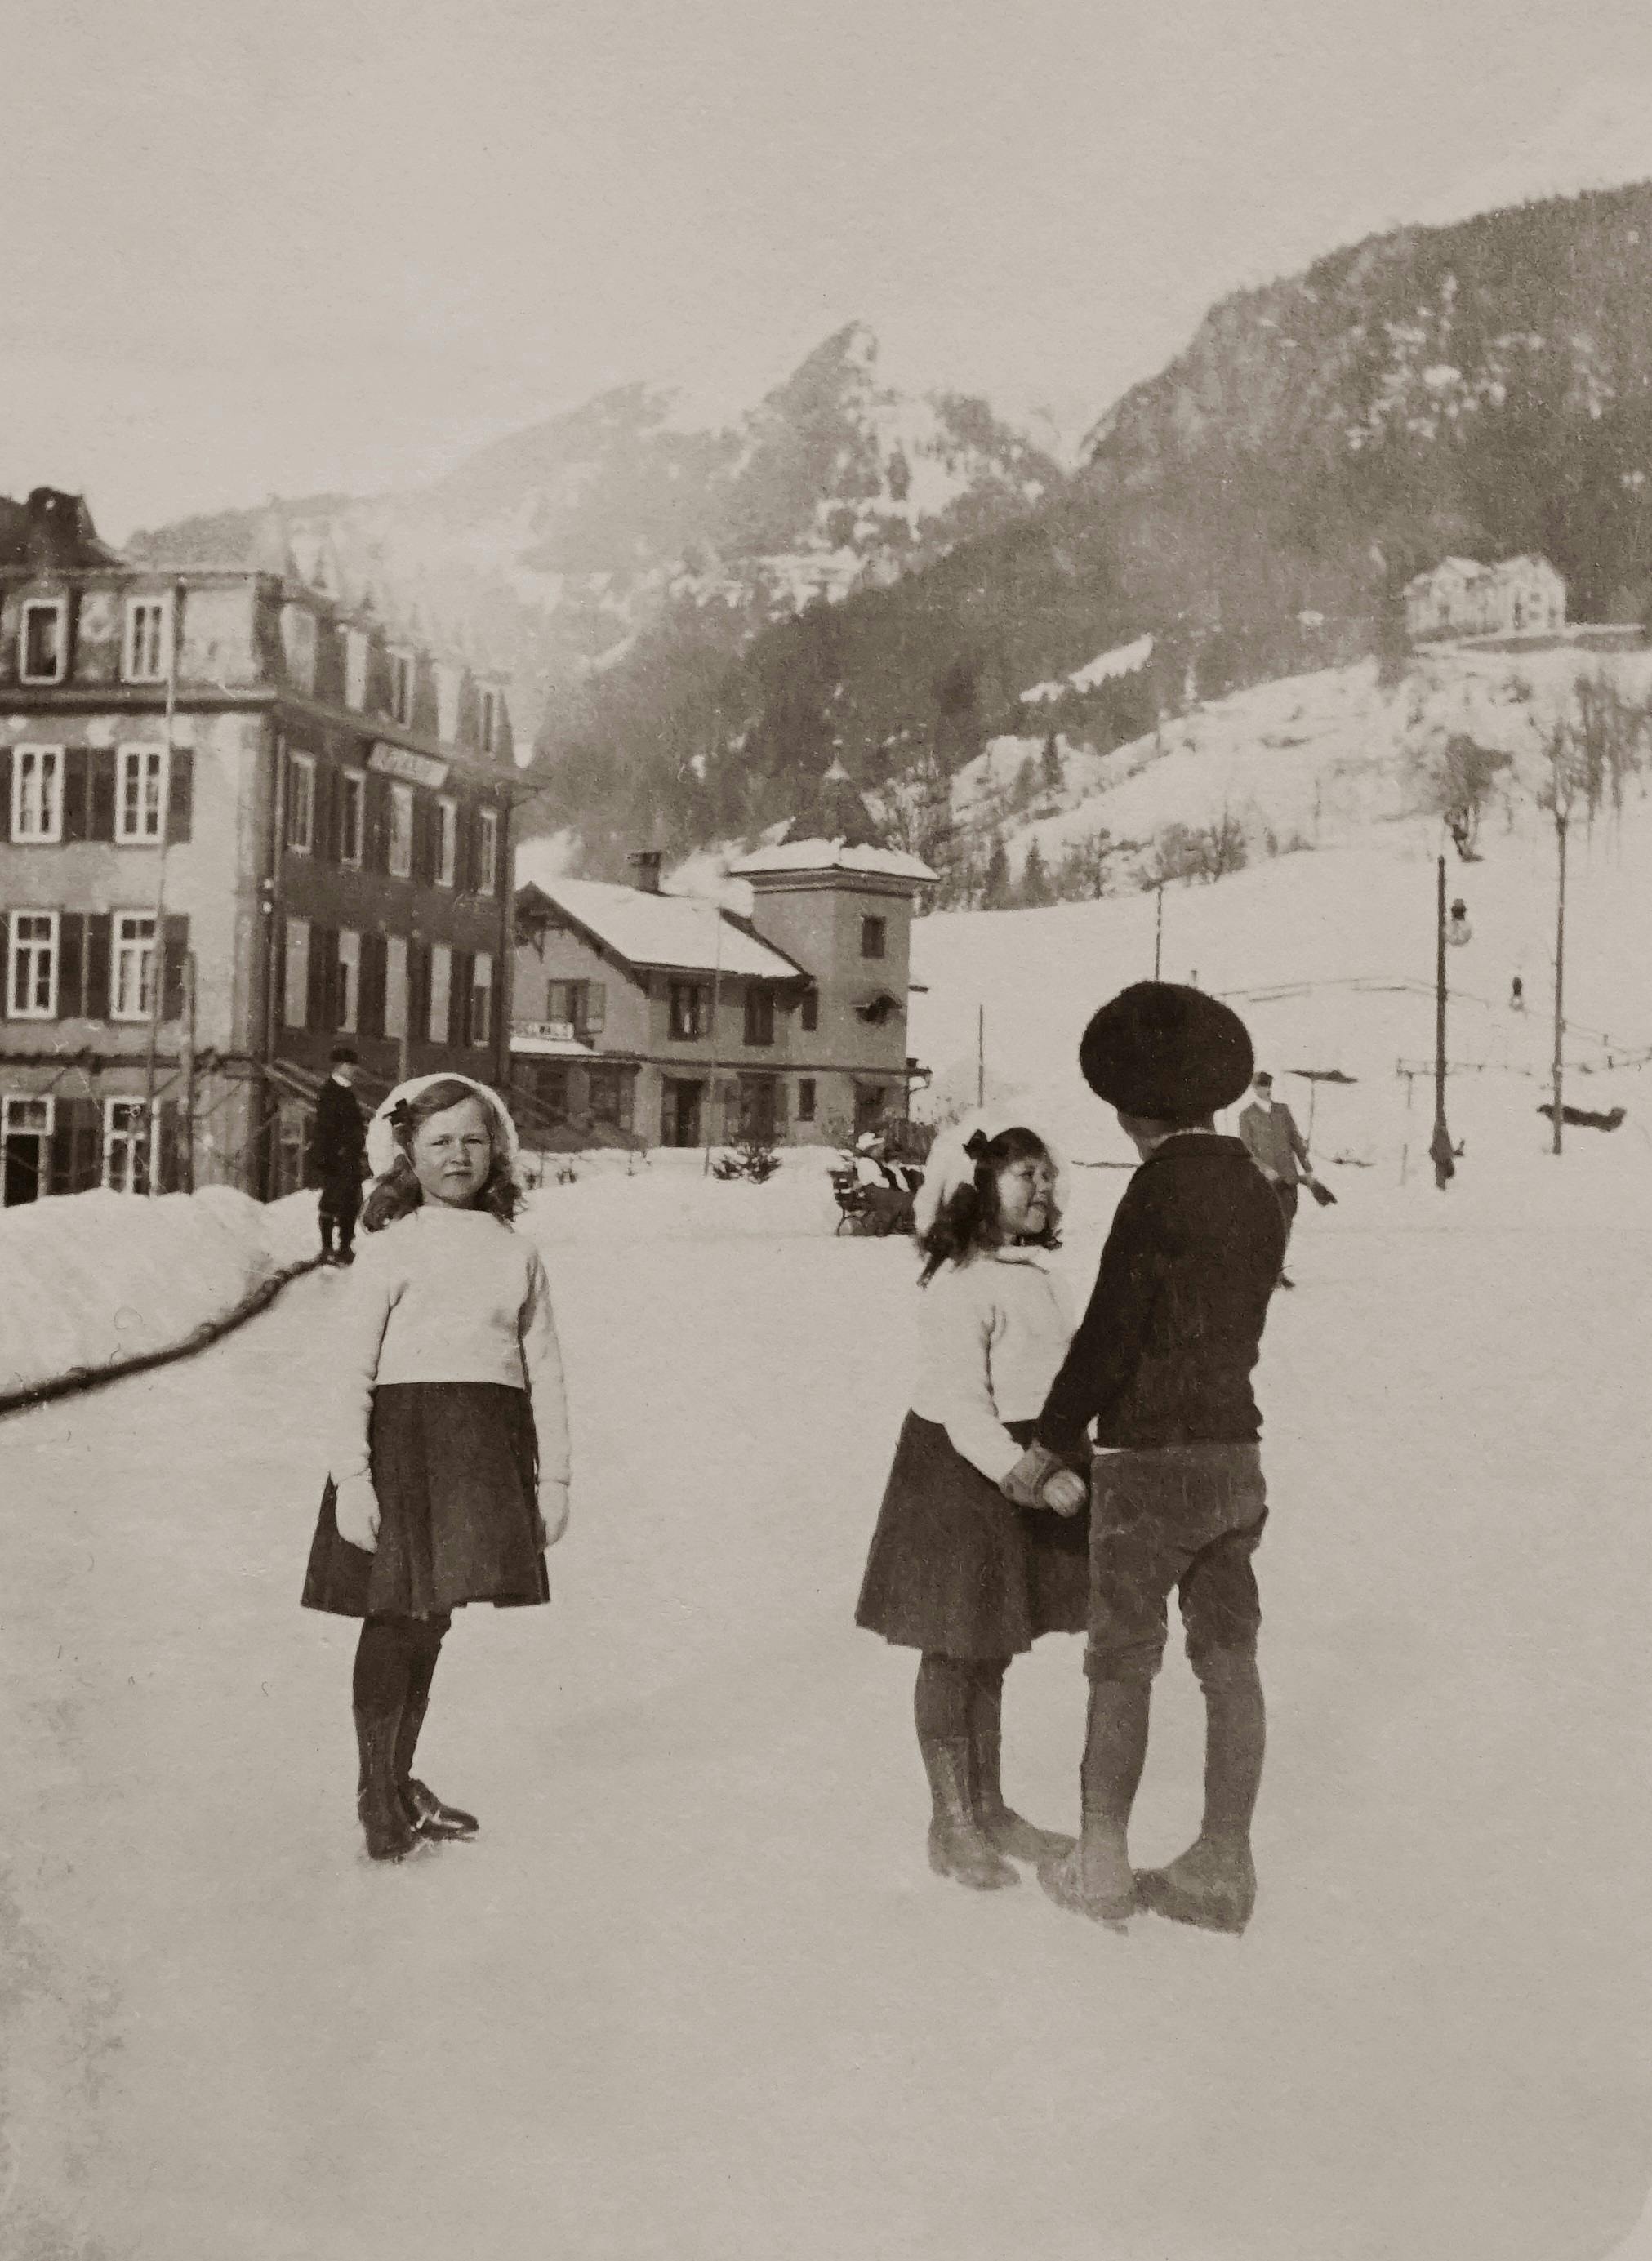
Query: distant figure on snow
(1279,1151)
(448,1433)
(338,1157)
(1517,995)
(887,1195)
(955,1571)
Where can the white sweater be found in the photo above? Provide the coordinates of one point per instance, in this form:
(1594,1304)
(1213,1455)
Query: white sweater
(991,1335)
(447,1294)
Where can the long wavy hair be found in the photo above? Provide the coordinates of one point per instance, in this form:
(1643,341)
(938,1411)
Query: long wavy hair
(969,1219)
(398,1192)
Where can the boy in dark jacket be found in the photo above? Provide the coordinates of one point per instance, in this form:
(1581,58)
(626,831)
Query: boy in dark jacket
(339,1156)
(1162,1364)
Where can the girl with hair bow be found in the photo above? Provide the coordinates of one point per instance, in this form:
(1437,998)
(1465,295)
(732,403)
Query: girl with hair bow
(958,1570)
(448,1432)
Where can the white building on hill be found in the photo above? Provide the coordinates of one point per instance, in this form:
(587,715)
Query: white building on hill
(1460,596)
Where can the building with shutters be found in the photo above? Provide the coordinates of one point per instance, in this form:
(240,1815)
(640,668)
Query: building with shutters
(673,1019)
(241,816)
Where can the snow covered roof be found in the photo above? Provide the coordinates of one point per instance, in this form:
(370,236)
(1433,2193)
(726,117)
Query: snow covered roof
(833,856)
(666,930)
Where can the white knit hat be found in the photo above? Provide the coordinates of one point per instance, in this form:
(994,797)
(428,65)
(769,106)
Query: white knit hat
(382,1149)
(949,1164)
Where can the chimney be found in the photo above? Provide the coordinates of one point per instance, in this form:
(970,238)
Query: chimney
(646,863)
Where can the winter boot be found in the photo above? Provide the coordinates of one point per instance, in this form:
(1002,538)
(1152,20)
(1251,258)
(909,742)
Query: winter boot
(1004,1829)
(425,1811)
(389,1834)
(327,1240)
(1212,1885)
(958,1848)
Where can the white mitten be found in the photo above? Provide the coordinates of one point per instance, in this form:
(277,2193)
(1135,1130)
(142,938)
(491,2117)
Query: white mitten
(355,1512)
(553,1511)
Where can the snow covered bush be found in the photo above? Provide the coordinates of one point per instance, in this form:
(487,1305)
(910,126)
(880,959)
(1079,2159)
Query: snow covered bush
(96,1279)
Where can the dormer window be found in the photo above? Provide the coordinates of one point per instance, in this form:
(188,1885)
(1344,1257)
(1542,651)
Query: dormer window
(43,640)
(147,653)
(401,686)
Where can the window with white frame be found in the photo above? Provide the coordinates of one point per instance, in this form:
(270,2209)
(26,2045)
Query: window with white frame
(140,793)
(352,807)
(131,1145)
(487,852)
(356,649)
(482,999)
(295,1005)
(43,641)
(147,652)
(401,831)
(37,793)
(300,803)
(132,969)
(441,991)
(446,840)
(401,686)
(490,721)
(26,1139)
(396,985)
(349,980)
(32,978)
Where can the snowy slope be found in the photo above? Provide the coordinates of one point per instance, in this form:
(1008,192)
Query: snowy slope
(1331,954)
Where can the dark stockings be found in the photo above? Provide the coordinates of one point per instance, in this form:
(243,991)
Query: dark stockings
(395,1664)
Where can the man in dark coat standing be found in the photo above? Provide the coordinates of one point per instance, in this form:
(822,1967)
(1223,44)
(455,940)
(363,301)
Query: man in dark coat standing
(338,1157)
(1278,1149)
(1161,1366)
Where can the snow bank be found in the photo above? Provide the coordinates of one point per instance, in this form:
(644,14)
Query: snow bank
(96,1279)
(670,1198)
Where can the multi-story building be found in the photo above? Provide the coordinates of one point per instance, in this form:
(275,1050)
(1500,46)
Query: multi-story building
(1460,596)
(673,1019)
(239,819)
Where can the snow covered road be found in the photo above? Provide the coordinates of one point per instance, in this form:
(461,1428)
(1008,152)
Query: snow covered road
(694,1992)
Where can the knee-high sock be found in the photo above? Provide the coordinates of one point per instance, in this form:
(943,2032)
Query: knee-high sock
(1235,1739)
(941,1700)
(1115,1751)
(383,1657)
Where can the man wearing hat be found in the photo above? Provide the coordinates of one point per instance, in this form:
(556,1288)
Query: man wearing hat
(1278,1149)
(338,1157)
(1161,1366)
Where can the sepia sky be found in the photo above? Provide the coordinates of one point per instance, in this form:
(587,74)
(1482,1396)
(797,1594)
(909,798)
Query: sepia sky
(247,250)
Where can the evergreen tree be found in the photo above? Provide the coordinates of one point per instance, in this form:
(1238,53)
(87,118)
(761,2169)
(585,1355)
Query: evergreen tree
(1036,890)
(1054,777)
(996,890)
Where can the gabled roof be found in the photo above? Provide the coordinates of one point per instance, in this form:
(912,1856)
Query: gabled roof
(833,856)
(678,933)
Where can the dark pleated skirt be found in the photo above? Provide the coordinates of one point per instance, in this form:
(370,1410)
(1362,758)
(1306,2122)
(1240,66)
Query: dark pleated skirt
(454,1465)
(956,1570)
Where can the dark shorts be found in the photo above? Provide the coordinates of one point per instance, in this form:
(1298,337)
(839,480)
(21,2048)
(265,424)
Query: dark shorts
(1185,1518)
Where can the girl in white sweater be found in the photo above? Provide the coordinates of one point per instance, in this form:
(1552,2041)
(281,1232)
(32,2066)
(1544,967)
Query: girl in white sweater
(956,1570)
(448,1438)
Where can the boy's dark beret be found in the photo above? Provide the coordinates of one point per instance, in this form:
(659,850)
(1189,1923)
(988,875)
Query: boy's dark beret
(1166,1051)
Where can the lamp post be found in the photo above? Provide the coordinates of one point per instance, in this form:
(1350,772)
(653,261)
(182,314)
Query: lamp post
(1440,1145)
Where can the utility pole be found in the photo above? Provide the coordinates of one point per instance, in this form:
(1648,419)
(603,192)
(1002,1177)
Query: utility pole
(716,991)
(1559,976)
(980,1056)
(404,1051)
(1158,926)
(186,1127)
(157,952)
(1440,1145)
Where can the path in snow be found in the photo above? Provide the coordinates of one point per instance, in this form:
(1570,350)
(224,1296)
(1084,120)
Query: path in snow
(694,1992)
